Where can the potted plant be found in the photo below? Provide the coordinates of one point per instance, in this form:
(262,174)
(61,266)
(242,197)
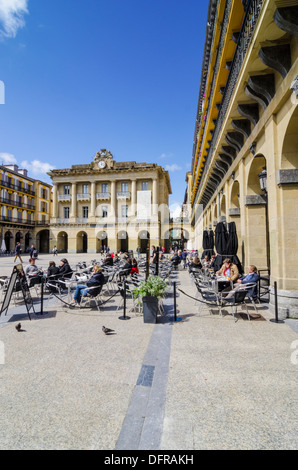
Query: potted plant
(150,292)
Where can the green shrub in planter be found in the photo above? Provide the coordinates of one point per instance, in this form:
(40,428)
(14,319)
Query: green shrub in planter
(150,291)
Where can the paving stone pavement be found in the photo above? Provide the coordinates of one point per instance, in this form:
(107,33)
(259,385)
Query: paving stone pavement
(204,382)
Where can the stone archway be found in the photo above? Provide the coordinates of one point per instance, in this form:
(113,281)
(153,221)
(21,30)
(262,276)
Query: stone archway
(122,241)
(143,239)
(8,238)
(257,249)
(102,241)
(43,241)
(82,242)
(62,242)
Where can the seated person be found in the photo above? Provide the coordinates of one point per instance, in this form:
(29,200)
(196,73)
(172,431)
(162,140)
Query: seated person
(65,272)
(175,260)
(195,263)
(229,270)
(251,277)
(108,261)
(32,273)
(52,271)
(125,269)
(206,262)
(134,267)
(212,261)
(97,280)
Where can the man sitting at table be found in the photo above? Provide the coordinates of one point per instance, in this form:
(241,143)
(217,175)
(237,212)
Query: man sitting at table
(229,270)
(251,277)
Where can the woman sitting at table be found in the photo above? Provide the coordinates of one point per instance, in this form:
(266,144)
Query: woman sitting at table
(194,264)
(229,270)
(97,280)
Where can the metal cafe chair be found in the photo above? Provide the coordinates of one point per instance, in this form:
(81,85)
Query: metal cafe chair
(234,301)
(92,293)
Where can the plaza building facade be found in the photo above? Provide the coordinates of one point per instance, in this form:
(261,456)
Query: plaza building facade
(245,149)
(120,205)
(25,208)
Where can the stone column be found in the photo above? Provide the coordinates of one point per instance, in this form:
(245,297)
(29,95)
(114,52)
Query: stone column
(73,213)
(113,201)
(93,199)
(55,201)
(133,207)
(154,197)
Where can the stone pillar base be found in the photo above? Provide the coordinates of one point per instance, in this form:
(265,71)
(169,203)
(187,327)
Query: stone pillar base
(287,302)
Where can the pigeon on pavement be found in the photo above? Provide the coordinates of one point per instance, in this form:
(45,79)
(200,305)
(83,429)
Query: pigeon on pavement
(107,330)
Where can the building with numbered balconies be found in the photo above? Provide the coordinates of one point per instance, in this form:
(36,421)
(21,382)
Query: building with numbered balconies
(121,205)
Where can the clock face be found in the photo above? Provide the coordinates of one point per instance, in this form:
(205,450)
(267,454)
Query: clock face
(101,164)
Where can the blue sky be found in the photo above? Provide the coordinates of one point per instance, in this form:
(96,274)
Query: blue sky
(84,75)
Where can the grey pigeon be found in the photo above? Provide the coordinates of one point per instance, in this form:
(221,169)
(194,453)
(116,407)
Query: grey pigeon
(107,330)
(18,327)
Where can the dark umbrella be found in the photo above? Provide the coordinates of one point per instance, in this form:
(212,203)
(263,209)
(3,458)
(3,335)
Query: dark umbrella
(221,236)
(232,246)
(205,244)
(211,242)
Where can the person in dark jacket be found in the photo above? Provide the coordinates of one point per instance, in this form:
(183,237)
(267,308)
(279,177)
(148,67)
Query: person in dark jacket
(65,272)
(18,251)
(108,261)
(97,280)
(53,270)
(64,268)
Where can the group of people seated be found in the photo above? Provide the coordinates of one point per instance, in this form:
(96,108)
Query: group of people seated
(54,273)
(230,272)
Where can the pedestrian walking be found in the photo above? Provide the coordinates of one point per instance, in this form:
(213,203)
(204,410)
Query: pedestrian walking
(18,251)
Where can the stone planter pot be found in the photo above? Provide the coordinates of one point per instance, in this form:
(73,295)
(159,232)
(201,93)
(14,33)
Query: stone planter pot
(150,309)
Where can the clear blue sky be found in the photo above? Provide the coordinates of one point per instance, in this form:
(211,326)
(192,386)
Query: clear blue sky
(117,74)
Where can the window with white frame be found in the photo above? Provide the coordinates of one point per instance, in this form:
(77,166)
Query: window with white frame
(85,212)
(104,211)
(124,211)
(66,212)
(85,188)
(124,187)
(104,188)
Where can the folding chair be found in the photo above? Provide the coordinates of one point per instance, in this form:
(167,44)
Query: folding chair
(238,298)
(91,293)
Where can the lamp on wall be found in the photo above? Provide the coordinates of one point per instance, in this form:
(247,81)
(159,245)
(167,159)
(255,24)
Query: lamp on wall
(253,147)
(263,180)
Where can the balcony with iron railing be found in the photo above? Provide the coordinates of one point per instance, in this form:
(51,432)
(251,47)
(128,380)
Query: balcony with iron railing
(11,202)
(243,43)
(16,220)
(16,187)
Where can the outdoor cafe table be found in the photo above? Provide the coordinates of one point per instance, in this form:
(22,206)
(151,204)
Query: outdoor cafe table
(223,283)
